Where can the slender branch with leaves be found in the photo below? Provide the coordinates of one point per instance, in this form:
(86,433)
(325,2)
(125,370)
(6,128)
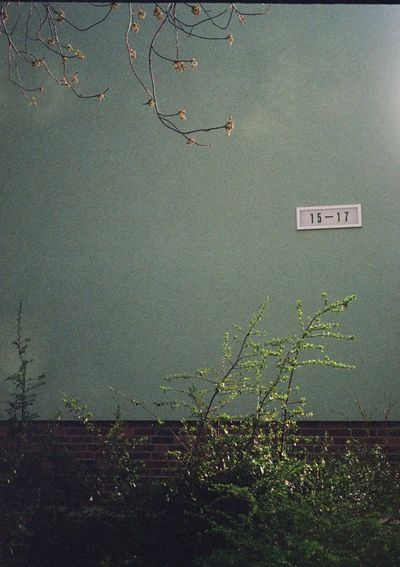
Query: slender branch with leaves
(25,386)
(37,36)
(219,436)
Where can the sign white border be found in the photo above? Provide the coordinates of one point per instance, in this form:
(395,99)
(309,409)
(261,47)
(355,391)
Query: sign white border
(328,207)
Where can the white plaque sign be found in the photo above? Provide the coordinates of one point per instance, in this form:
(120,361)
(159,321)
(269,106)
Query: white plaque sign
(331,216)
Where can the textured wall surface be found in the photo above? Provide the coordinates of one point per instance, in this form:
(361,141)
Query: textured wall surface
(153,441)
(134,252)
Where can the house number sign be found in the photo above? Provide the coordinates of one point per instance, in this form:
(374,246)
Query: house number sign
(331,216)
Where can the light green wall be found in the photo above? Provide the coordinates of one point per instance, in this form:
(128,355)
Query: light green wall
(134,252)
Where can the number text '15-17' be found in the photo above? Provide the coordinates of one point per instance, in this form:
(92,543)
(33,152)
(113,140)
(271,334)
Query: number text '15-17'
(328,216)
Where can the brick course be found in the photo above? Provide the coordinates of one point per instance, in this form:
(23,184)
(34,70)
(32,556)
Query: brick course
(159,439)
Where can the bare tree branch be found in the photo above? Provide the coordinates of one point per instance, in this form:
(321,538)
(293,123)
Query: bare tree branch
(35,35)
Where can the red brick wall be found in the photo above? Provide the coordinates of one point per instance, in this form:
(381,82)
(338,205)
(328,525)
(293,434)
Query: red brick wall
(158,439)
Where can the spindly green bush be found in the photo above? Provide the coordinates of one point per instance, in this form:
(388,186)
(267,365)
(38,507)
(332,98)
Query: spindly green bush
(217,442)
(248,489)
(25,386)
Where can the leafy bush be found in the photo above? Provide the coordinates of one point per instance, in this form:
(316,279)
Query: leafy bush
(248,489)
(217,444)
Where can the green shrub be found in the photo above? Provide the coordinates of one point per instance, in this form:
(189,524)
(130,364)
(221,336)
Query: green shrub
(248,490)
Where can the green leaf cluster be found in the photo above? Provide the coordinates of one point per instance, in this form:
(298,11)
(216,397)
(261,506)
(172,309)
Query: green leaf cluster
(217,441)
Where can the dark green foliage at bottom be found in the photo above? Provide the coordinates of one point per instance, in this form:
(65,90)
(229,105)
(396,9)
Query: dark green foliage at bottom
(248,492)
(298,512)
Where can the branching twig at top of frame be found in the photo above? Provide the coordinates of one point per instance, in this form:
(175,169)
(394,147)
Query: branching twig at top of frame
(35,36)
